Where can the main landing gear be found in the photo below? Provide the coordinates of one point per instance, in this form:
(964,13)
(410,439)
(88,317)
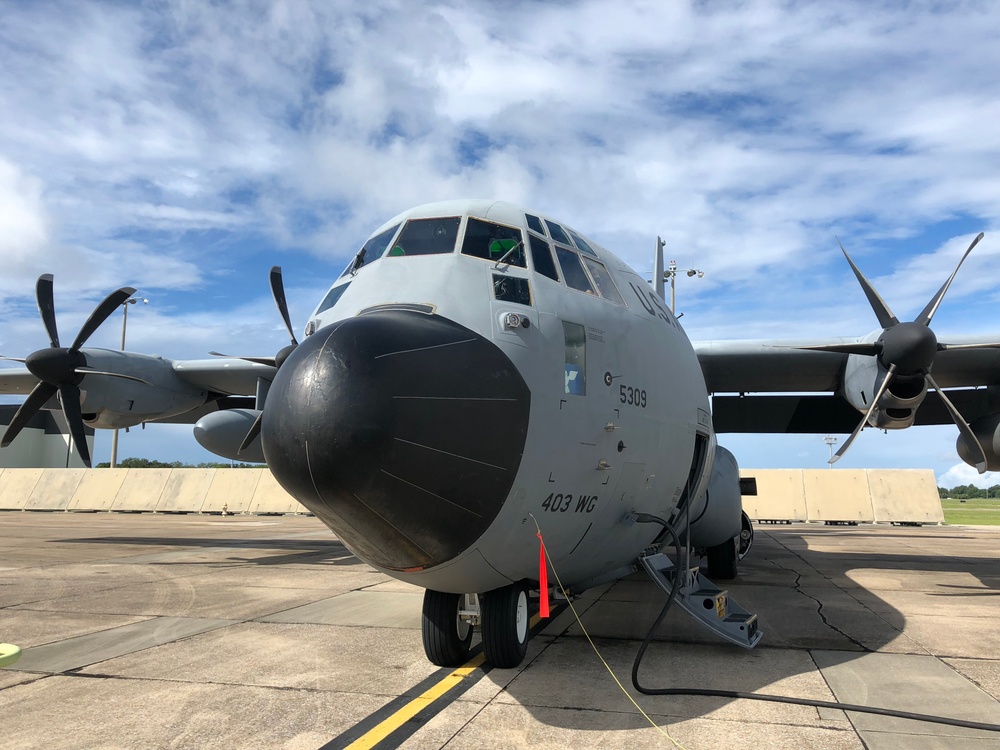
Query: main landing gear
(723,558)
(503,614)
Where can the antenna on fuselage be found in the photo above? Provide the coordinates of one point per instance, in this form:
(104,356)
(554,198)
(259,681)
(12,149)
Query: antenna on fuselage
(658,271)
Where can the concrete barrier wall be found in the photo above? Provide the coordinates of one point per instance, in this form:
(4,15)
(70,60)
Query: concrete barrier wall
(780,495)
(855,495)
(232,490)
(16,486)
(141,489)
(905,496)
(844,495)
(54,489)
(145,490)
(98,489)
(185,490)
(838,495)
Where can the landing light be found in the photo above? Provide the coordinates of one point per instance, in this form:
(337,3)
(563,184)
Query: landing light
(513,320)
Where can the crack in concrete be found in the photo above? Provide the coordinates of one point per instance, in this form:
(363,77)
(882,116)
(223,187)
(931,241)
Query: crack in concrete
(819,604)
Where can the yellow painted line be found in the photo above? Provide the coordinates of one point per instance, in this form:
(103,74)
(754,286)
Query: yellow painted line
(379,732)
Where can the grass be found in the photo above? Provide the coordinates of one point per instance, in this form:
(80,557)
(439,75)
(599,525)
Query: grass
(977,512)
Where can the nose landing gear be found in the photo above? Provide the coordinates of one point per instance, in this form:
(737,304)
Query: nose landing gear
(503,613)
(446,635)
(505,625)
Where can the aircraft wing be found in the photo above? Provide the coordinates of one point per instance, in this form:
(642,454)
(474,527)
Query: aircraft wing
(16,381)
(225,375)
(808,384)
(230,382)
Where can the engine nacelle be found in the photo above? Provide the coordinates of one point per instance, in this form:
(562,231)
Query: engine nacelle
(987,431)
(222,433)
(716,516)
(897,408)
(114,403)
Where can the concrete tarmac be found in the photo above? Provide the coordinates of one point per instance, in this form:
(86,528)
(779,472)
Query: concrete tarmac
(186,631)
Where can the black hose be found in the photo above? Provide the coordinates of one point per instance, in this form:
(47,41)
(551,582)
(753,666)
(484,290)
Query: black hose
(733,694)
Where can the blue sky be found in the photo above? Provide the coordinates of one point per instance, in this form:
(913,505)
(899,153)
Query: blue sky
(184,148)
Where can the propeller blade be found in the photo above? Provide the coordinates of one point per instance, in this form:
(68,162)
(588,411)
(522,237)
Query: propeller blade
(252,434)
(278,292)
(871,409)
(269,361)
(928,313)
(941,347)
(70,397)
(35,401)
(101,313)
(859,348)
(91,371)
(47,308)
(881,309)
(963,426)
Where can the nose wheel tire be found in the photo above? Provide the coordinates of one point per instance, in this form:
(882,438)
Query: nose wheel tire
(505,625)
(446,636)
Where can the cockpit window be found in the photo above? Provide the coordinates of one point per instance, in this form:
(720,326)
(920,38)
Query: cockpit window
(541,257)
(372,250)
(494,242)
(605,284)
(332,297)
(557,233)
(576,277)
(582,243)
(426,237)
(534,223)
(378,244)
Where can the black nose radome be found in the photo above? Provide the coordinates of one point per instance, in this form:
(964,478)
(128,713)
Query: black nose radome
(401,431)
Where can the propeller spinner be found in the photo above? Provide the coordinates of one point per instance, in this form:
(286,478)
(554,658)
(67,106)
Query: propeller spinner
(906,350)
(61,370)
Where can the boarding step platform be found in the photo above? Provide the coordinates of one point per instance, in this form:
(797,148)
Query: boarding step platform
(705,602)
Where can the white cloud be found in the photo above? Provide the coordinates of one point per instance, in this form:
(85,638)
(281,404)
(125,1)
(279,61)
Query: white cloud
(178,145)
(963,474)
(24,225)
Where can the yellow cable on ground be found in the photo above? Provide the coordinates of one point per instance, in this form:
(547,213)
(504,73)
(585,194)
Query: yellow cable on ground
(607,666)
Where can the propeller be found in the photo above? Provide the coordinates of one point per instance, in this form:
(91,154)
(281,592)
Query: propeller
(906,350)
(60,370)
(278,292)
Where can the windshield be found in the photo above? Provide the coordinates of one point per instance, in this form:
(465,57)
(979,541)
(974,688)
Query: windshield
(372,250)
(489,241)
(426,237)
(332,297)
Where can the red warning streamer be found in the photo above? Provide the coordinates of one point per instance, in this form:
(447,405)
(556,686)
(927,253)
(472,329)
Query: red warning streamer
(543,579)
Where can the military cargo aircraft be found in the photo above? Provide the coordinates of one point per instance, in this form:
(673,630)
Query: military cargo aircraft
(482,374)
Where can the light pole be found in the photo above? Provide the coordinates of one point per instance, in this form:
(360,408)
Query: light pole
(671,273)
(831,441)
(114,434)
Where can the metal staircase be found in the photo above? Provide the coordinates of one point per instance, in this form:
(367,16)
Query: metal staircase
(705,602)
